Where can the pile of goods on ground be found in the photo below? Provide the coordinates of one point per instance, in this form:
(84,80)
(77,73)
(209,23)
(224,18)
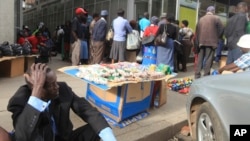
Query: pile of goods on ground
(180,85)
(120,72)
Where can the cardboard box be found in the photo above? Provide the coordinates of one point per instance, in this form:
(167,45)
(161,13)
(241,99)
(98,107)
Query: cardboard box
(121,102)
(12,66)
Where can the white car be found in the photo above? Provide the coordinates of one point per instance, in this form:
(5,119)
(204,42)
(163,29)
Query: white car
(216,102)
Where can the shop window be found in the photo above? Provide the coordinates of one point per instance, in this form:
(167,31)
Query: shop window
(156,8)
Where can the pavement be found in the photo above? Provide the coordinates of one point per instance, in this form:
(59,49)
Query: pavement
(161,124)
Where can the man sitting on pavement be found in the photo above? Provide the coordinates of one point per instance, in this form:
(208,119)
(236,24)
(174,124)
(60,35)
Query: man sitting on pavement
(243,62)
(41,111)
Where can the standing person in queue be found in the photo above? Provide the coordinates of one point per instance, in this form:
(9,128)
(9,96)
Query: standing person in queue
(121,28)
(185,35)
(98,37)
(77,35)
(208,31)
(96,17)
(165,54)
(144,23)
(235,28)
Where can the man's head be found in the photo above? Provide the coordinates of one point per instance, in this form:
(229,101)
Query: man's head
(171,18)
(96,16)
(50,88)
(154,20)
(163,16)
(184,23)
(120,12)
(244,43)
(242,7)
(211,9)
(80,13)
(104,13)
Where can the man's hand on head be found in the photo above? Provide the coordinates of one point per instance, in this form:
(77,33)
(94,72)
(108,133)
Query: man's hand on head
(37,79)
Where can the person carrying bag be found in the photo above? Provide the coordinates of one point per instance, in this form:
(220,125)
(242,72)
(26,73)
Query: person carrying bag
(149,49)
(161,39)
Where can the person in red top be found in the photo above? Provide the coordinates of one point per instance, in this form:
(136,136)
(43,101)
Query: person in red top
(23,37)
(152,29)
(149,51)
(35,41)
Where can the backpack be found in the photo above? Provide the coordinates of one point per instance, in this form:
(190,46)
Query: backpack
(17,49)
(27,48)
(6,49)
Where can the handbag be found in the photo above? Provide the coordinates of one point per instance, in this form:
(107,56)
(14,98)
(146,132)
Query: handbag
(161,39)
(133,41)
(110,34)
(148,39)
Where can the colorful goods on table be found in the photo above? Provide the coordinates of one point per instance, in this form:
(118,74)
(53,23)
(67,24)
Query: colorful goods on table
(180,85)
(120,72)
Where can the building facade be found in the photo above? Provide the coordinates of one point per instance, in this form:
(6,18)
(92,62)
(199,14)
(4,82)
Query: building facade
(56,12)
(10,20)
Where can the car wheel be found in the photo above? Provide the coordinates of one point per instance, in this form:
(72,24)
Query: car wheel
(208,125)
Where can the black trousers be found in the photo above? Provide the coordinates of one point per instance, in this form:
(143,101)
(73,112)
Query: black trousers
(187,45)
(84,133)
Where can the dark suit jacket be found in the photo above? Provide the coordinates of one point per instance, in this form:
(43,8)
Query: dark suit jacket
(30,124)
(235,28)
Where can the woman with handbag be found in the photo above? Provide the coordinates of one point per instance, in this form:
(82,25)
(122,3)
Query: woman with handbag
(131,52)
(164,41)
(149,49)
(185,35)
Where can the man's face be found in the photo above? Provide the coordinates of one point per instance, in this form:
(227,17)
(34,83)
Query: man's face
(245,50)
(51,86)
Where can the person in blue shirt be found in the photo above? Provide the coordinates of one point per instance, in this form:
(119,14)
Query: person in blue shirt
(243,62)
(143,23)
(41,111)
(121,28)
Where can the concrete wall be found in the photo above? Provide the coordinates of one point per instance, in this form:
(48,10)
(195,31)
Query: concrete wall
(7,23)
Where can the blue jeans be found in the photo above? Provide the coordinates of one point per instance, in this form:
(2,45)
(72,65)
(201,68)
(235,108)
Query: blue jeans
(218,50)
(84,50)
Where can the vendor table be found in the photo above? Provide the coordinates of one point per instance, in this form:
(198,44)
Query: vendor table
(121,100)
(11,66)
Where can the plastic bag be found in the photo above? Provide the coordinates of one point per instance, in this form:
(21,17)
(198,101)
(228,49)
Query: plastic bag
(133,41)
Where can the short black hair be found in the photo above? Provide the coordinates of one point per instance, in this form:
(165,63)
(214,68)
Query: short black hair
(95,15)
(185,22)
(120,12)
(171,18)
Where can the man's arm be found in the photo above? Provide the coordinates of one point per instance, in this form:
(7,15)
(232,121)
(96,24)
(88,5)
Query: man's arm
(27,105)
(230,67)
(128,27)
(73,29)
(25,117)
(220,28)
